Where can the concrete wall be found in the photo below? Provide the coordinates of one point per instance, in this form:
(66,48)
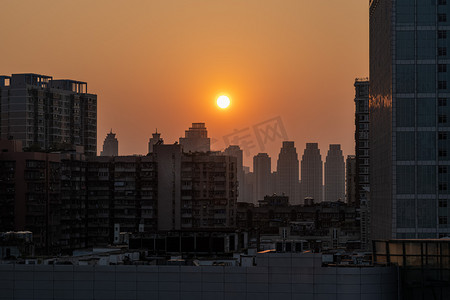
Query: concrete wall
(280,278)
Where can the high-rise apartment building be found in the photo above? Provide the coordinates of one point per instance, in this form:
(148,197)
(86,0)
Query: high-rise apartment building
(362,140)
(312,172)
(288,173)
(196,139)
(262,175)
(208,191)
(155,139)
(409,118)
(334,174)
(46,114)
(110,145)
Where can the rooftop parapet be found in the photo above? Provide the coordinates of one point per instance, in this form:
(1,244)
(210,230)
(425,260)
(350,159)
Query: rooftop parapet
(79,87)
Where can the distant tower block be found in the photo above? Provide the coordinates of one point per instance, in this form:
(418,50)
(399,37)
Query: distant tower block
(155,139)
(110,145)
(312,172)
(262,171)
(288,173)
(196,139)
(334,174)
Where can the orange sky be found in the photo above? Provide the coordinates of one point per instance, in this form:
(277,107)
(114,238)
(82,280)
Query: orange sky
(163,63)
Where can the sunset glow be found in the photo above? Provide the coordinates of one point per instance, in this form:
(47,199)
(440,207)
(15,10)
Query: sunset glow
(163,55)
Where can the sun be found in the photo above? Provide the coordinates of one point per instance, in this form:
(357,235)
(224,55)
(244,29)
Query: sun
(223,101)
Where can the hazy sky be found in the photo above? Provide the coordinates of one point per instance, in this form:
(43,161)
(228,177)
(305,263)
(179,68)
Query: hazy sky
(164,63)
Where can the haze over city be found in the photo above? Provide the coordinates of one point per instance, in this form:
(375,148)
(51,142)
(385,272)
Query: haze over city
(159,64)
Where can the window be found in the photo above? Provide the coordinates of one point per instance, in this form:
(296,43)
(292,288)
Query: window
(442,203)
(443,186)
(442,136)
(442,18)
(442,51)
(442,84)
(442,34)
(442,102)
(442,153)
(442,119)
(442,68)
(442,2)
(442,169)
(442,220)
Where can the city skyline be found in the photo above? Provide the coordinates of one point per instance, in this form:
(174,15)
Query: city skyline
(134,68)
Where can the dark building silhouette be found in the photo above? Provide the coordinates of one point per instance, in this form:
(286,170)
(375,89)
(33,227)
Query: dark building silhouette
(44,193)
(48,114)
(110,145)
(196,139)
(312,172)
(334,174)
(262,176)
(288,172)
(155,139)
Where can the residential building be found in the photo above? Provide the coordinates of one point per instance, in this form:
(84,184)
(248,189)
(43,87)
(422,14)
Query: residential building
(334,174)
(48,114)
(312,172)
(196,139)
(288,172)
(208,191)
(110,145)
(409,114)
(44,193)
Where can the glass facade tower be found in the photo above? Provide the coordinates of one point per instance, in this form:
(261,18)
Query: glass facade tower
(409,118)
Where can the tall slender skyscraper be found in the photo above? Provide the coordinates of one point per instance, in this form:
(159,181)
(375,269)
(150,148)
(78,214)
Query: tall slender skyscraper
(312,172)
(196,139)
(262,176)
(110,145)
(362,158)
(288,173)
(334,174)
(409,118)
(155,139)
(362,140)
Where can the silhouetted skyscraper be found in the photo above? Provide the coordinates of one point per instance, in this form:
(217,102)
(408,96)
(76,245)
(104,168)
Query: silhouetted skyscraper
(196,139)
(362,158)
(409,119)
(155,139)
(48,114)
(110,145)
(334,174)
(288,172)
(312,172)
(262,176)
